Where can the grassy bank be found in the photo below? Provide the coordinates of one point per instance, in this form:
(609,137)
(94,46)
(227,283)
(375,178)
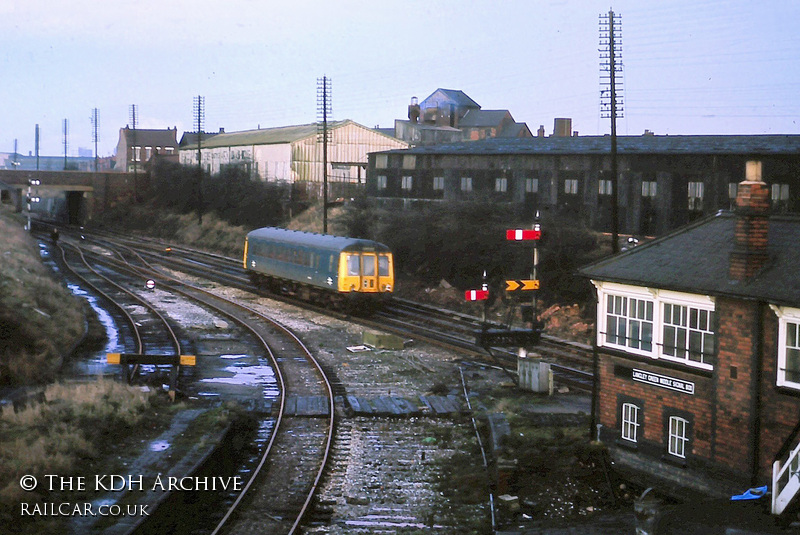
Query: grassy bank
(63,433)
(39,319)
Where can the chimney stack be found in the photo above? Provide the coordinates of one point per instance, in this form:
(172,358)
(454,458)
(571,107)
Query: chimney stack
(540,132)
(749,253)
(413,110)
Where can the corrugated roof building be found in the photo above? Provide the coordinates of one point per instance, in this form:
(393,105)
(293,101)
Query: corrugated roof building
(294,154)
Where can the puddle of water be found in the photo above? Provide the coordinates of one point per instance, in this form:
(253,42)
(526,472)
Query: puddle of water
(158,445)
(103,316)
(232,356)
(245,375)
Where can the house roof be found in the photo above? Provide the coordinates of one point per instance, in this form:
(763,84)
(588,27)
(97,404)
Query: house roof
(153,137)
(457,96)
(278,135)
(695,259)
(482,118)
(190,138)
(515,130)
(626,145)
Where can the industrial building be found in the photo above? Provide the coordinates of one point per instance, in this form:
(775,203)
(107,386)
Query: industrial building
(664,181)
(293,155)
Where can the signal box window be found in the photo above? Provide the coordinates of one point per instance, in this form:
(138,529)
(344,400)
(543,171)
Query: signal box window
(688,334)
(629,322)
(630,422)
(678,436)
(789,353)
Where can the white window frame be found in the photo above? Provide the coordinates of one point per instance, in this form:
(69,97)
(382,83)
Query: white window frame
(629,426)
(381,182)
(604,186)
(678,436)
(501,185)
(438,183)
(658,298)
(466,183)
(407,182)
(788,318)
(137,154)
(649,188)
(531,185)
(692,320)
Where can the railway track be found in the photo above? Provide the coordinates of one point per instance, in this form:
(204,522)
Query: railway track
(281,488)
(571,362)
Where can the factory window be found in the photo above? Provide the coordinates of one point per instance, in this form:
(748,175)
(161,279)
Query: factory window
(630,422)
(733,188)
(409,161)
(501,185)
(381,161)
(780,192)
(788,347)
(688,334)
(649,188)
(407,183)
(466,183)
(629,322)
(531,185)
(137,154)
(381,182)
(169,150)
(696,195)
(571,186)
(148,151)
(605,187)
(678,436)
(438,183)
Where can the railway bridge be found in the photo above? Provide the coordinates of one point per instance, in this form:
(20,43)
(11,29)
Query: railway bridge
(70,197)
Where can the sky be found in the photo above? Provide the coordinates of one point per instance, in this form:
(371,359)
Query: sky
(689,66)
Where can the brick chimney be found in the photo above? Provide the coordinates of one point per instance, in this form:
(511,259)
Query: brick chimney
(749,253)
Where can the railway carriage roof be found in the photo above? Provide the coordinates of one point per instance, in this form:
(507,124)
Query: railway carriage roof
(317,241)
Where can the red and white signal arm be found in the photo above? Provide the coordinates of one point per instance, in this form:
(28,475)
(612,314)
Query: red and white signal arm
(476,295)
(523,234)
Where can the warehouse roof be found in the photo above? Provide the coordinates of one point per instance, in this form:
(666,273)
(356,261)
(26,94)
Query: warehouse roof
(696,259)
(647,144)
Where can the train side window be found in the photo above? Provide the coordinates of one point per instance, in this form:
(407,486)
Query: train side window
(383,266)
(330,263)
(368,265)
(352,265)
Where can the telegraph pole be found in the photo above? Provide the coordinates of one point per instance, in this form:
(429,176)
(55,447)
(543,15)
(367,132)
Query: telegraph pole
(323,110)
(94,135)
(610,54)
(133,154)
(66,142)
(37,147)
(199,118)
